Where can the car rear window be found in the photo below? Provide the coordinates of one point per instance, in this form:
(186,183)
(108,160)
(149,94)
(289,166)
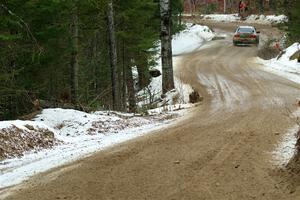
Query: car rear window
(246,30)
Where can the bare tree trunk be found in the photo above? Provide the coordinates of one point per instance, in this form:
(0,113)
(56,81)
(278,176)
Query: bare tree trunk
(124,77)
(130,89)
(74,55)
(190,6)
(113,60)
(225,6)
(166,46)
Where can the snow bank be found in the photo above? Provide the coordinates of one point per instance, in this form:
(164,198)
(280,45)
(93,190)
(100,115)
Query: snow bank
(269,19)
(73,123)
(221,17)
(191,38)
(283,66)
(80,134)
(252,19)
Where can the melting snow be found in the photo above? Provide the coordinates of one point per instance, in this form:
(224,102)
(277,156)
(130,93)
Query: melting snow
(286,149)
(225,93)
(191,39)
(283,66)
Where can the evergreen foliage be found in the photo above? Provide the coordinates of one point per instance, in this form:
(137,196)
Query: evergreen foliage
(293,11)
(36,51)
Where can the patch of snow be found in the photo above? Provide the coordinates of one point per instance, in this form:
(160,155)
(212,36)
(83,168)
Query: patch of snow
(22,124)
(286,149)
(169,108)
(289,52)
(266,19)
(71,123)
(222,17)
(283,66)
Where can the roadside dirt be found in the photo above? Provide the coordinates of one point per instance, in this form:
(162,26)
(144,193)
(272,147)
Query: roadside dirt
(220,151)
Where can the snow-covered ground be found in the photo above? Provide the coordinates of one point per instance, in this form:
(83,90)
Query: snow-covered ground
(283,66)
(189,40)
(80,134)
(251,19)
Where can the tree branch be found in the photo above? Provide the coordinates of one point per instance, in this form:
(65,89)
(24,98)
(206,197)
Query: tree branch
(24,25)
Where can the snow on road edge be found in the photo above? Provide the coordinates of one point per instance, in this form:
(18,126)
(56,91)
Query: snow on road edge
(77,144)
(283,66)
(286,148)
(289,69)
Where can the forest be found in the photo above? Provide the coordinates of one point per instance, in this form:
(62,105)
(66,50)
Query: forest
(59,53)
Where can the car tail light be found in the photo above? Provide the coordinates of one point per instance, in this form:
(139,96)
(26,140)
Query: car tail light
(252,36)
(237,35)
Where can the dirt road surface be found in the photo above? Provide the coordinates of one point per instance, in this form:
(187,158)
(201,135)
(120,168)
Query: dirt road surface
(220,151)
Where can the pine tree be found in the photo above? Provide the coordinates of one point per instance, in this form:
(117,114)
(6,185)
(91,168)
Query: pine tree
(74,53)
